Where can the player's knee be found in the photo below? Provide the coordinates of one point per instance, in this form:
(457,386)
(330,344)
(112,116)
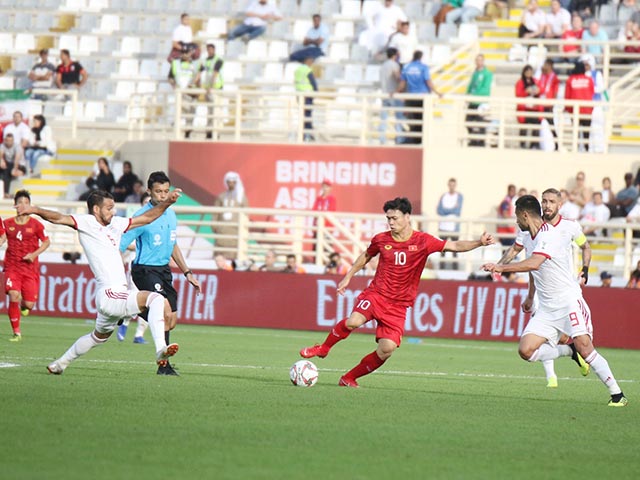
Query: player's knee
(385,350)
(29,305)
(525,352)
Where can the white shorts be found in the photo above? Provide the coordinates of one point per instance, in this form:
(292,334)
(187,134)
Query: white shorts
(113,304)
(574,320)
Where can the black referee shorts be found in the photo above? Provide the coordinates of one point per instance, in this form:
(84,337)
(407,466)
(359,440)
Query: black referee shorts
(156,279)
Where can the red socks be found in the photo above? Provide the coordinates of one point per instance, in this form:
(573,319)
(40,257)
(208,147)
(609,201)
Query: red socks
(14,316)
(367,365)
(339,332)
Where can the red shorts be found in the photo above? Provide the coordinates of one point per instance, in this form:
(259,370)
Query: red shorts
(390,316)
(27,284)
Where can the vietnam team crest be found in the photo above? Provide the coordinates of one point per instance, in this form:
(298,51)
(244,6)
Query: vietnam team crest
(388,247)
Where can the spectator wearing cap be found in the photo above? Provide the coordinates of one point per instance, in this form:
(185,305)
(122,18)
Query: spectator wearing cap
(257,15)
(305,81)
(184,74)
(325,202)
(70,74)
(315,43)
(605,279)
(211,79)
(42,74)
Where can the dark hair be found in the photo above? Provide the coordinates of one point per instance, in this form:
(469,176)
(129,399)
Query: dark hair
(579,69)
(127,162)
(211,45)
(317,15)
(552,190)
(404,24)
(525,80)
(96,198)
(43,121)
(549,61)
(144,197)
(185,14)
(8,135)
(157,177)
(22,193)
(391,52)
(417,55)
(399,203)
(529,204)
(291,255)
(66,52)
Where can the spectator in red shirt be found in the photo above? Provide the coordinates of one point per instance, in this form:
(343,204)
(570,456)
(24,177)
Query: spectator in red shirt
(70,74)
(527,87)
(580,87)
(633,35)
(325,202)
(548,83)
(572,38)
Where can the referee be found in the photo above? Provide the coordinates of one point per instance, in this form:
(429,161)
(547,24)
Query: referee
(155,247)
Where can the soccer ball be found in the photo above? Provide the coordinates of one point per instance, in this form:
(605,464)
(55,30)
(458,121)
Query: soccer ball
(303,373)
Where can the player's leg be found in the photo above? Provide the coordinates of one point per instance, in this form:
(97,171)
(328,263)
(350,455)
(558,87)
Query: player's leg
(122,329)
(29,290)
(140,329)
(103,330)
(170,322)
(154,303)
(339,332)
(14,314)
(171,317)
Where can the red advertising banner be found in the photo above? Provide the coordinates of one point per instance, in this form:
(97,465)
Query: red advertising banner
(444,309)
(289,176)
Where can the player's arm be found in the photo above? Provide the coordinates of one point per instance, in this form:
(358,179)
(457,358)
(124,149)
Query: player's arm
(358,265)
(510,254)
(534,262)
(528,302)
(583,243)
(466,245)
(44,244)
(3,239)
(155,212)
(177,256)
(48,215)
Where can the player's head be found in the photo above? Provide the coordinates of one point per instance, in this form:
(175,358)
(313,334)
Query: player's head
(22,197)
(551,202)
(101,205)
(398,213)
(527,210)
(145,198)
(158,185)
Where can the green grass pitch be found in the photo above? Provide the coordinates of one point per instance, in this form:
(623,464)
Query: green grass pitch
(439,409)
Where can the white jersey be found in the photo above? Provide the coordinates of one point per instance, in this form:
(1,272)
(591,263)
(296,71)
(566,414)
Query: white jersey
(102,247)
(555,280)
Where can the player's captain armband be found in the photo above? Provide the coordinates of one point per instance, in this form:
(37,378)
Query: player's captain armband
(581,239)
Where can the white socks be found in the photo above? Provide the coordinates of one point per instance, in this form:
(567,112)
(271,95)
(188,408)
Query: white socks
(548,352)
(600,366)
(548,368)
(80,347)
(142,327)
(155,317)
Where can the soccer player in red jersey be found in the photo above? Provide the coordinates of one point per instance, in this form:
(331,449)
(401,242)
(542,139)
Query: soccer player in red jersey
(403,253)
(26,239)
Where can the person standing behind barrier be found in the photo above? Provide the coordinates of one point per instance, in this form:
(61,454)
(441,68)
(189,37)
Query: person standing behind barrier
(548,84)
(450,205)
(479,86)
(212,80)
(185,73)
(306,82)
(155,247)
(325,202)
(527,87)
(416,79)
(389,80)
(506,210)
(579,86)
(232,197)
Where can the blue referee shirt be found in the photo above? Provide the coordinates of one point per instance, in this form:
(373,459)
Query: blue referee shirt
(155,241)
(416,74)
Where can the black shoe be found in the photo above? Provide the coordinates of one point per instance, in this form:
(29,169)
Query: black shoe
(167,370)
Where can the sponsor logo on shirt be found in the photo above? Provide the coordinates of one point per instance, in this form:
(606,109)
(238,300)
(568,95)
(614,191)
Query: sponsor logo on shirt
(157,240)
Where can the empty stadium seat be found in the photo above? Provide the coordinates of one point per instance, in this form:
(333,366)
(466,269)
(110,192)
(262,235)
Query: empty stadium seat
(278,49)
(109,23)
(300,29)
(6,83)
(24,42)
(256,49)
(68,42)
(339,51)
(216,27)
(21,21)
(372,73)
(343,30)
(447,31)
(149,68)
(129,46)
(88,44)
(350,8)
(232,71)
(468,32)
(94,110)
(6,42)
(128,67)
(124,89)
(440,54)
(273,72)
(353,73)
(146,86)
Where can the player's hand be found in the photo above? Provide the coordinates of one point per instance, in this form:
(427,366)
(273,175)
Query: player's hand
(174,195)
(29,257)
(23,209)
(194,281)
(492,267)
(487,239)
(342,286)
(527,305)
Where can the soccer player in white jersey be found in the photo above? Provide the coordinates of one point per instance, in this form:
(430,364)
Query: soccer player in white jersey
(99,233)
(561,306)
(572,231)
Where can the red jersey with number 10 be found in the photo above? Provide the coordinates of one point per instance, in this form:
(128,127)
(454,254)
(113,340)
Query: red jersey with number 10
(401,263)
(21,240)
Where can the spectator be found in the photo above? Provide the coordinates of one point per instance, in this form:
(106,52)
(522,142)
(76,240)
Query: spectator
(506,211)
(580,193)
(384,22)
(222,263)
(212,80)
(569,208)
(305,81)
(594,34)
(558,20)
(468,12)
(136,195)
(227,228)
(548,84)
(315,43)
(626,198)
(634,278)
(605,279)
(416,79)
(445,8)
(42,74)
(633,36)
(70,74)
(573,38)
(101,179)
(534,22)
(40,142)
(292,265)
(11,162)
(182,37)
(527,87)
(581,7)
(579,86)
(608,196)
(595,211)
(269,264)
(257,15)
(479,86)
(335,266)
(403,42)
(325,202)
(19,130)
(184,74)
(389,81)
(450,206)
(124,185)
